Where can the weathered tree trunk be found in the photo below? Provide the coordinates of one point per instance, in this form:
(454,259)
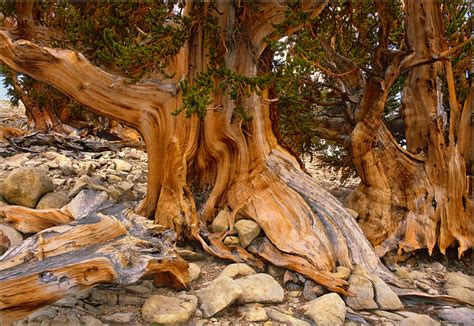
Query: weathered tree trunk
(416,198)
(199,166)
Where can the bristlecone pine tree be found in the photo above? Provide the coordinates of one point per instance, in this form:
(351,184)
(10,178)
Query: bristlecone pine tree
(394,91)
(149,62)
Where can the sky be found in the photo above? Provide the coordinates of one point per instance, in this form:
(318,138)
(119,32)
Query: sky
(3,91)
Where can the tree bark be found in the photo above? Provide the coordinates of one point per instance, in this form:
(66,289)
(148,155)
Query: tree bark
(199,166)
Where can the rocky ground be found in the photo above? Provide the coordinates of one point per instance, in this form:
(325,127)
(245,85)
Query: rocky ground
(220,293)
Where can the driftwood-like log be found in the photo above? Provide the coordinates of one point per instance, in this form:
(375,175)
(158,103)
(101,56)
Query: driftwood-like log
(66,259)
(28,220)
(71,143)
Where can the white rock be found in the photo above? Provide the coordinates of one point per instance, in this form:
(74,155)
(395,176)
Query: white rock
(253,313)
(218,295)
(121,165)
(238,269)
(194,272)
(169,310)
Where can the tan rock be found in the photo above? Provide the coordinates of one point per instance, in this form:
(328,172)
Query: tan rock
(247,230)
(218,295)
(169,310)
(327,310)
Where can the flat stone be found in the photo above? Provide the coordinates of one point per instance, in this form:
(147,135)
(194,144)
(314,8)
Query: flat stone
(16,160)
(53,200)
(463,316)
(25,186)
(91,321)
(221,222)
(119,317)
(130,300)
(45,313)
(280,317)
(238,269)
(99,296)
(218,295)
(326,310)
(389,315)
(191,255)
(247,230)
(13,235)
(253,313)
(384,296)
(458,279)
(194,272)
(86,202)
(462,293)
(169,310)
(260,288)
(139,289)
(419,320)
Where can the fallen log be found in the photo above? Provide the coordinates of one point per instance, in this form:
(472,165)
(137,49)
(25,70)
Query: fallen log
(28,220)
(67,259)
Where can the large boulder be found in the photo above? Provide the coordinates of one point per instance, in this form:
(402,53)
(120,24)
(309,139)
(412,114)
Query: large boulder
(169,310)
(460,286)
(25,186)
(218,295)
(326,310)
(260,288)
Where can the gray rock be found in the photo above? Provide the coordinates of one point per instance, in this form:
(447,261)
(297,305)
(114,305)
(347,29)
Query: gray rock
(463,316)
(253,313)
(99,296)
(326,310)
(285,318)
(221,222)
(91,321)
(218,295)
(86,202)
(119,317)
(389,315)
(364,293)
(260,288)
(238,269)
(194,272)
(13,235)
(247,230)
(139,289)
(169,310)
(419,320)
(69,301)
(45,313)
(53,200)
(25,186)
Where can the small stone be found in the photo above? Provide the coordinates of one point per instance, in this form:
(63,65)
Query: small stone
(437,267)
(326,310)
(294,294)
(194,272)
(99,296)
(238,269)
(221,222)
(231,241)
(419,320)
(86,202)
(247,230)
(139,289)
(14,237)
(121,165)
(119,317)
(53,200)
(342,272)
(169,310)
(260,288)
(463,316)
(25,186)
(253,313)
(91,321)
(130,300)
(125,185)
(70,302)
(44,313)
(16,160)
(284,318)
(218,295)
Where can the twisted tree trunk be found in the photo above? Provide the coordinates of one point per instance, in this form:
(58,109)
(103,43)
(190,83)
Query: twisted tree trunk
(199,166)
(416,198)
